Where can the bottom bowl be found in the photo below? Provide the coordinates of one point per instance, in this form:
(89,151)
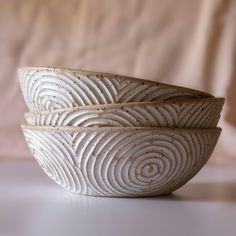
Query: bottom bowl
(120,162)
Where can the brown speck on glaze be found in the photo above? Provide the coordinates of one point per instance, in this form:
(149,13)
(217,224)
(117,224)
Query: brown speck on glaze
(74,104)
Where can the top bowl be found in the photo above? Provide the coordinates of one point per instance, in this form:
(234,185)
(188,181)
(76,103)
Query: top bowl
(57,88)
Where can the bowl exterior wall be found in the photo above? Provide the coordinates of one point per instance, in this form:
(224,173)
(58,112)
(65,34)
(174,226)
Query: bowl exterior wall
(204,113)
(48,89)
(121,163)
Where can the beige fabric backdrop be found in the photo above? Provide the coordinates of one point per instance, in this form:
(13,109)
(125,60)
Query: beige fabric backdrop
(185,42)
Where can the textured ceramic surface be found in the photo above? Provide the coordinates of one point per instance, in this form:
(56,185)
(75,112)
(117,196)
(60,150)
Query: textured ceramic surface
(120,162)
(51,88)
(196,113)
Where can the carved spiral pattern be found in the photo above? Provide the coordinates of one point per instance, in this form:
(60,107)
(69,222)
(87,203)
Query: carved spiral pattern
(203,113)
(48,89)
(128,162)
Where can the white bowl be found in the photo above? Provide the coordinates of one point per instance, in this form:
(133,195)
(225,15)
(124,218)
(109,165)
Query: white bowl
(54,88)
(120,162)
(195,113)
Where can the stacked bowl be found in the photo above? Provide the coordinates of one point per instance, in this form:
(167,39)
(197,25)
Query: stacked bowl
(101,134)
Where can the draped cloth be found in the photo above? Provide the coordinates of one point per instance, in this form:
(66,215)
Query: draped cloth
(186,42)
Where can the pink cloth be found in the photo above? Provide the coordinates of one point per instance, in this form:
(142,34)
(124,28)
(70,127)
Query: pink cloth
(186,42)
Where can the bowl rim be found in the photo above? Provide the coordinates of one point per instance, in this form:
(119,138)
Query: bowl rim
(111,75)
(129,104)
(102,129)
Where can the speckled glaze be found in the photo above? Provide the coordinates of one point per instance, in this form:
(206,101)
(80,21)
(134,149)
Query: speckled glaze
(196,113)
(120,162)
(55,88)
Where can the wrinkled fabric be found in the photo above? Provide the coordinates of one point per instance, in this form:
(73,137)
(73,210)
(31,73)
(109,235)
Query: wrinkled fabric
(186,42)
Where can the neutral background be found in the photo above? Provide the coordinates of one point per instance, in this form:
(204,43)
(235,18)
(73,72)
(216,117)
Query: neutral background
(185,42)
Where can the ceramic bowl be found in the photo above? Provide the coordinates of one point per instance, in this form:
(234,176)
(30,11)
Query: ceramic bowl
(120,162)
(196,113)
(54,88)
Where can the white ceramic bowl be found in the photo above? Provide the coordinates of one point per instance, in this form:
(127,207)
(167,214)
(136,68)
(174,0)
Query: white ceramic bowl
(54,88)
(120,162)
(195,113)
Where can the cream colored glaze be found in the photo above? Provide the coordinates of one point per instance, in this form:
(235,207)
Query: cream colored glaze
(196,113)
(120,162)
(49,88)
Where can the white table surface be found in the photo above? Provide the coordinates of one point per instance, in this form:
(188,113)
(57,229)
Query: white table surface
(31,204)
